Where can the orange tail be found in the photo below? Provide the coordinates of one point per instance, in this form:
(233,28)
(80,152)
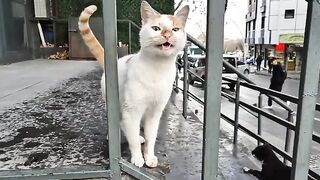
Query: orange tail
(89,38)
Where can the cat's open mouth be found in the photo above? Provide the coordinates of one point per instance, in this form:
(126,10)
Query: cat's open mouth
(165,46)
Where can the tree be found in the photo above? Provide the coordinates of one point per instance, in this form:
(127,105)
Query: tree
(126,9)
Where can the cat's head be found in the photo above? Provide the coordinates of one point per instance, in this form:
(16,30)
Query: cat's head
(162,35)
(262,152)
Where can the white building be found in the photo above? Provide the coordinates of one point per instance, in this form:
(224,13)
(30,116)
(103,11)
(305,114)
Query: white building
(276,28)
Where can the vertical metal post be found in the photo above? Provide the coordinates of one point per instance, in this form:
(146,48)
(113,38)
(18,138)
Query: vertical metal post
(185,82)
(236,119)
(176,80)
(112,92)
(259,117)
(288,144)
(212,96)
(308,92)
(129,37)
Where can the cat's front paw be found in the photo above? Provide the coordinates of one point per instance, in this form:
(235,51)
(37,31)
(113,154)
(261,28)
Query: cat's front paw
(137,161)
(151,161)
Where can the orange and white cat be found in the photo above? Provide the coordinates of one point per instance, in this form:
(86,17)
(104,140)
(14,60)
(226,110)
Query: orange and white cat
(145,78)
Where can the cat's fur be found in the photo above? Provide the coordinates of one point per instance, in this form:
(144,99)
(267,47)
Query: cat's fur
(272,167)
(145,78)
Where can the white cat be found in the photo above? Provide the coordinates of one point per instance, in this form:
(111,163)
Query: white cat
(145,78)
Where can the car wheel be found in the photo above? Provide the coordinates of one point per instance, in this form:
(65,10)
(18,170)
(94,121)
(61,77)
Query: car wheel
(246,72)
(190,80)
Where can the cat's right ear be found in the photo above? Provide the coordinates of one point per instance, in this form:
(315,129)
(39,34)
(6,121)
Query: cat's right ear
(147,12)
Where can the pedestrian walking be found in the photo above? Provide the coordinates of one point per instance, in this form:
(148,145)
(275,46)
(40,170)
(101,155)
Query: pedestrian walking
(270,60)
(279,75)
(259,60)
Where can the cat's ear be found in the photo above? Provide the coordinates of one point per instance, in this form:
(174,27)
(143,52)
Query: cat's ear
(182,15)
(147,12)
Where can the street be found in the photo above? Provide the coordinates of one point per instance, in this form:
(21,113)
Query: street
(271,131)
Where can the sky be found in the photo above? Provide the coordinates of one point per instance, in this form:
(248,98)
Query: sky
(234,18)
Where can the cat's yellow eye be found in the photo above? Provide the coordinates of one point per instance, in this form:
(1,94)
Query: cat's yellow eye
(175,29)
(156,28)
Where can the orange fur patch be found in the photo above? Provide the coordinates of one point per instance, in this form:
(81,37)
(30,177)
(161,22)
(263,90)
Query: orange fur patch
(85,31)
(176,22)
(83,20)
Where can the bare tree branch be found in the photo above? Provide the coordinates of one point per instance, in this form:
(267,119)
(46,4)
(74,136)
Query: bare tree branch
(179,4)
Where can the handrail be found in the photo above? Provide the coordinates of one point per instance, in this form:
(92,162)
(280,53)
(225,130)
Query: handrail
(127,20)
(233,69)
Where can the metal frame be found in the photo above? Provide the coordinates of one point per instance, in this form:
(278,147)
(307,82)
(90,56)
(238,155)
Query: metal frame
(308,93)
(307,99)
(212,96)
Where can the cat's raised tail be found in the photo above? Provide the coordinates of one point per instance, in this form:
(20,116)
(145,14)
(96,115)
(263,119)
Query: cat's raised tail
(88,37)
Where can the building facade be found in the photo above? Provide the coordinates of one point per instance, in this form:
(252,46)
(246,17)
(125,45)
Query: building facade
(275,28)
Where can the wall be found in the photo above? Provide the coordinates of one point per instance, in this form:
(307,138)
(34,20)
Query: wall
(280,25)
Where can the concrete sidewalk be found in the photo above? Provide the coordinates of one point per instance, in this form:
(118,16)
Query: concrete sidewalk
(24,80)
(264,71)
(62,124)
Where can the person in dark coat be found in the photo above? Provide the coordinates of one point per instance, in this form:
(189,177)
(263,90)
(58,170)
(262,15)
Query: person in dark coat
(259,60)
(270,60)
(279,75)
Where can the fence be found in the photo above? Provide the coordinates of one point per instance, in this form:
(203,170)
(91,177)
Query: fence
(307,99)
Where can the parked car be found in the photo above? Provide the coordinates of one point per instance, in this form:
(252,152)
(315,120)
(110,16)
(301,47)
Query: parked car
(199,70)
(250,61)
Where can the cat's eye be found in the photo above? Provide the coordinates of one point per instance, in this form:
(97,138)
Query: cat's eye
(156,28)
(175,29)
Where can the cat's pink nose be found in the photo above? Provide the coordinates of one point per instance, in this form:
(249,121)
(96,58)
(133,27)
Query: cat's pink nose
(167,36)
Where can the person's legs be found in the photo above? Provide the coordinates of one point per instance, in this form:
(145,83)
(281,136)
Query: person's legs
(269,102)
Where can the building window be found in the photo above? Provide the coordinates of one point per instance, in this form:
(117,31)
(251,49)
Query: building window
(262,22)
(289,14)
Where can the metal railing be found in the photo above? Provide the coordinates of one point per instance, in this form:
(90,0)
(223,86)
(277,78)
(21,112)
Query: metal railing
(212,117)
(254,111)
(287,123)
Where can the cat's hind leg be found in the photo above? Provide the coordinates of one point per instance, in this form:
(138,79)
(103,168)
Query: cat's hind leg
(130,125)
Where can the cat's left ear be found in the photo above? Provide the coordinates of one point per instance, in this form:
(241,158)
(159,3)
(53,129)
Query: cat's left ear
(182,15)
(147,12)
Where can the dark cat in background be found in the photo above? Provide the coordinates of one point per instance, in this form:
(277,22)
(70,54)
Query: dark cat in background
(272,167)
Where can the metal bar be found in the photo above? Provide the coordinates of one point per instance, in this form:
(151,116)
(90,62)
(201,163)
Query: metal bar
(132,23)
(236,119)
(288,143)
(136,172)
(259,116)
(272,117)
(257,137)
(212,96)
(39,174)
(185,82)
(130,37)
(200,78)
(233,69)
(316,138)
(314,174)
(112,89)
(271,92)
(176,81)
(308,92)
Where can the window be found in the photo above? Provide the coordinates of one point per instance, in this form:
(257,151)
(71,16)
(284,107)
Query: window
(289,14)
(262,22)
